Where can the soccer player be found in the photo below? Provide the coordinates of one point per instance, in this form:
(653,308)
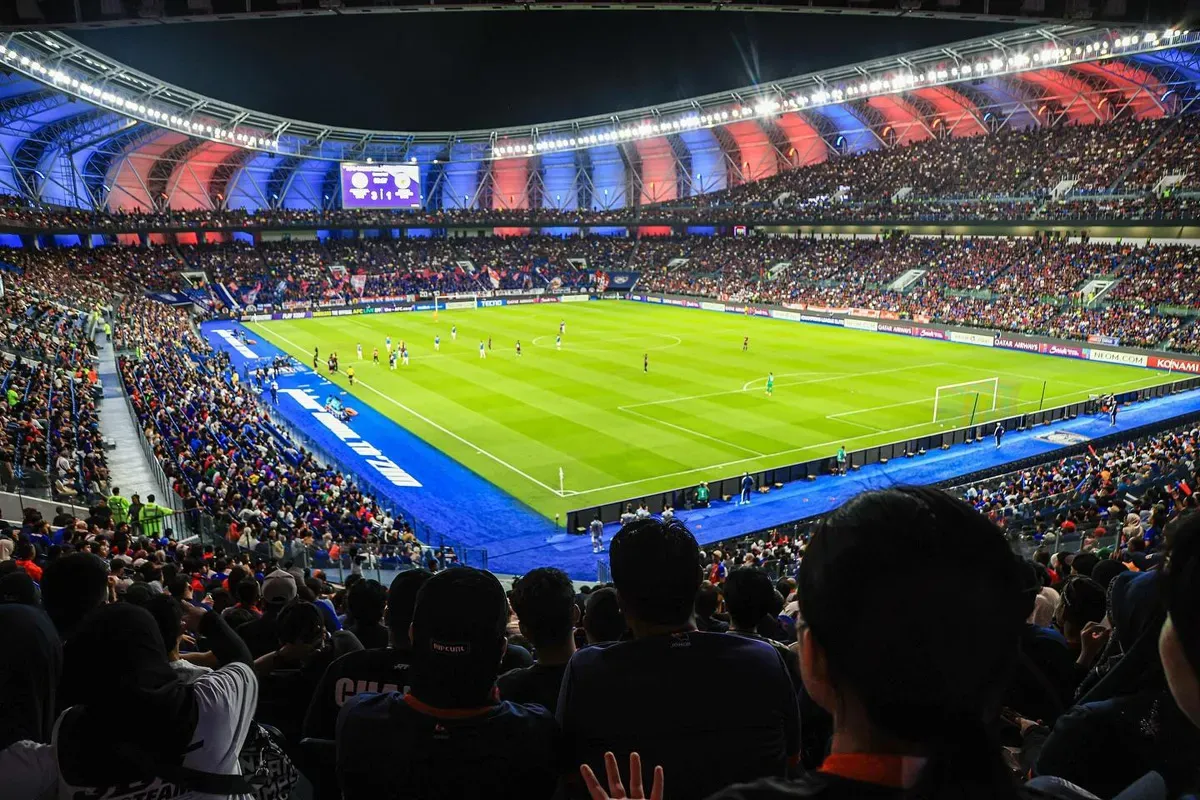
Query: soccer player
(329,363)
(998,433)
(489,343)
(375,355)
(437,344)
(745,343)
(770,383)
(558,342)
(388,342)
(350,375)
(316,361)
(645,362)
(562,327)
(404,356)
(360,351)
(392,361)
(518,348)
(482,352)
(454,333)
(596,528)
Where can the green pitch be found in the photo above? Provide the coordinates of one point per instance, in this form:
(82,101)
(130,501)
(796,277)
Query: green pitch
(701,412)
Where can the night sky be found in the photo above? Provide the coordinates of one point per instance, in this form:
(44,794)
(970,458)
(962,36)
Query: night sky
(455,71)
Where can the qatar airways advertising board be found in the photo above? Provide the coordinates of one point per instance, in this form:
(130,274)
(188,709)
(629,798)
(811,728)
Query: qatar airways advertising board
(381,186)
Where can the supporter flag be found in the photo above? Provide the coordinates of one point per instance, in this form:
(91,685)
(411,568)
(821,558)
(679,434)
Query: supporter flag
(359,282)
(250,296)
(493,277)
(1183,487)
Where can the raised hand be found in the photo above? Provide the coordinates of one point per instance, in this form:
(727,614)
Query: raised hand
(616,789)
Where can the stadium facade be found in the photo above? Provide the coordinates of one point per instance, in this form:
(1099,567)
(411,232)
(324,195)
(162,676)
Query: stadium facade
(78,129)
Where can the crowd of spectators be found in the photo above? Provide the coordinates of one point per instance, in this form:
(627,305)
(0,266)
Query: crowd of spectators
(1022,285)
(1076,667)
(278,273)
(1090,497)
(50,442)
(1008,174)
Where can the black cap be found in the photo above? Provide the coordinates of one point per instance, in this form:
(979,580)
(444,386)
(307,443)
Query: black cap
(458,637)
(458,612)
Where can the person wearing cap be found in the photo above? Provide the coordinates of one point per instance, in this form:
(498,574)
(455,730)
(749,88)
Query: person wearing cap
(646,694)
(261,635)
(449,736)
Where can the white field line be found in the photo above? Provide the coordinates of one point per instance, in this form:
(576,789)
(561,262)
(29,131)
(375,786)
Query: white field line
(755,382)
(834,377)
(841,414)
(691,432)
(805,448)
(443,429)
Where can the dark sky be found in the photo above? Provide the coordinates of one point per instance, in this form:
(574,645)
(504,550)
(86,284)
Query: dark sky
(454,71)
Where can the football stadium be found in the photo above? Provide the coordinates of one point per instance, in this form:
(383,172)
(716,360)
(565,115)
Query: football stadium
(380,379)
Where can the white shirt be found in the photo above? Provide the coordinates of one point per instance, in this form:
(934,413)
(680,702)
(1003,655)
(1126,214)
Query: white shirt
(226,698)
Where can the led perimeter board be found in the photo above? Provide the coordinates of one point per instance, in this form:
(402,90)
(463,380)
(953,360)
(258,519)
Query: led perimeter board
(380,185)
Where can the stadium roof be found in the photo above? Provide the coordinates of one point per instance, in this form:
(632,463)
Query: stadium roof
(78,128)
(48,14)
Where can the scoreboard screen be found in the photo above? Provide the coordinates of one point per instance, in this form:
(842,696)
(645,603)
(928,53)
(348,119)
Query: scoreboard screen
(380,185)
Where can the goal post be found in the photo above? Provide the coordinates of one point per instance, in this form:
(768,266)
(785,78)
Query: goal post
(958,401)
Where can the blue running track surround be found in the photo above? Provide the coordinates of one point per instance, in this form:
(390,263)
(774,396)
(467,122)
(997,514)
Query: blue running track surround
(465,508)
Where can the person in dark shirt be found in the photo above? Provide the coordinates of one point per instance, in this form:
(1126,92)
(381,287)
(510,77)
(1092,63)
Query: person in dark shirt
(261,635)
(912,680)
(708,598)
(365,602)
(646,694)
(750,598)
(373,670)
(602,618)
(545,604)
(449,737)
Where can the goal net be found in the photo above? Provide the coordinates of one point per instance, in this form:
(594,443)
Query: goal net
(965,402)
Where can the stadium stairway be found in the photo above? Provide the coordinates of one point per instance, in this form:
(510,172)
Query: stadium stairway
(127,464)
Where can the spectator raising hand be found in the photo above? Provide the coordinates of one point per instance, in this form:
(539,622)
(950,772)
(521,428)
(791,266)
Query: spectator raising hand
(616,789)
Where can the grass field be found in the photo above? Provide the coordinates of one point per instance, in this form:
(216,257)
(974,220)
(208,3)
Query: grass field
(700,413)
